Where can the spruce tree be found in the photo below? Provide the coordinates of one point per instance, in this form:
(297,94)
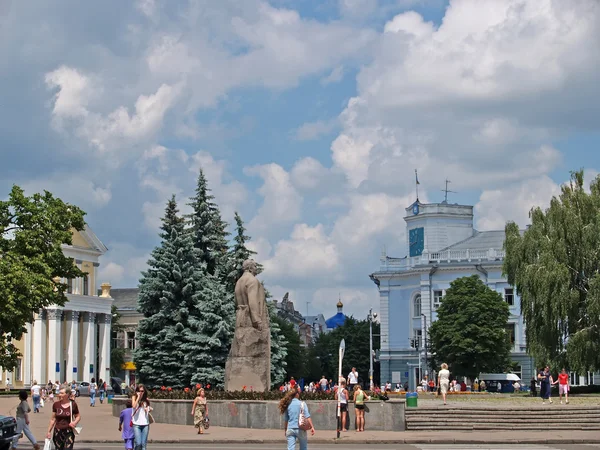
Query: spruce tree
(278,348)
(209,230)
(167,291)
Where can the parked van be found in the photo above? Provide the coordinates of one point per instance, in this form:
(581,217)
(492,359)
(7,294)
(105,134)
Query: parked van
(506,381)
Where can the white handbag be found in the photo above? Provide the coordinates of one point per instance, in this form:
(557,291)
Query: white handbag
(48,444)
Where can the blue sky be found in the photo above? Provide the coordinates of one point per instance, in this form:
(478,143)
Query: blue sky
(308,117)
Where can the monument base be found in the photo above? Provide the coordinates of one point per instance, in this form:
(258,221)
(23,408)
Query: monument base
(249,372)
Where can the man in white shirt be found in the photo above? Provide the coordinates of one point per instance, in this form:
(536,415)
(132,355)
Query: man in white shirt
(352,380)
(323,383)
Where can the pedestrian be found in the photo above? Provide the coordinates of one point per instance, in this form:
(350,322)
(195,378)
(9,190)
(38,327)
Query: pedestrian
(93,390)
(342,394)
(125,425)
(23,411)
(323,383)
(359,407)
(444,381)
(291,406)
(36,396)
(101,390)
(200,410)
(141,417)
(352,379)
(65,417)
(563,385)
(545,384)
(533,387)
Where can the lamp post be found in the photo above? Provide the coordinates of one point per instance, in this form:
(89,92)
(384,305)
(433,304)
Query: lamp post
(370,318)
(425,340)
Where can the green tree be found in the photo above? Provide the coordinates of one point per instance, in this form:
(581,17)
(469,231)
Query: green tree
(117,354)
(555,267)
(32,230)
(295,357)
(167,291)
(209,230)
(279,348)
(326,349)
(470,332)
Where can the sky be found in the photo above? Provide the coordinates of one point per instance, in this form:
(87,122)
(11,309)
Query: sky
(308,117)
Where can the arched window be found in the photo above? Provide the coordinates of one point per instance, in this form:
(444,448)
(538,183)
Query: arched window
(417,306)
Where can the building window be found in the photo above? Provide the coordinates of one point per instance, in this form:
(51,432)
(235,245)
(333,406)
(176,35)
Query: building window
(417,306)
(437,298)
(18,376)
(509,296)
(510,331)
(70,286)
(86,285)
(518,371)
(131,340)
(416,340)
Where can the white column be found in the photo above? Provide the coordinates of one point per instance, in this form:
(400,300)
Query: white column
(39,356)
(88,368)
(73,349)
(27,373)
(54,344)
(104,321)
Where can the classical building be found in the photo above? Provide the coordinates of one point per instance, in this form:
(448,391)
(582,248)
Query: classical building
(125,301)
(442,246)
(70,342)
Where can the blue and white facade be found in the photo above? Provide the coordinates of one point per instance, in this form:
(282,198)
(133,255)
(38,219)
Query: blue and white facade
(443,246)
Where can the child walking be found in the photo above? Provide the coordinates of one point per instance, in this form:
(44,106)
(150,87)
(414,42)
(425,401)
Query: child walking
(23,411)
(125,425)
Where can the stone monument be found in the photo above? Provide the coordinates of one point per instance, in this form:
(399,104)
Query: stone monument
(249,361)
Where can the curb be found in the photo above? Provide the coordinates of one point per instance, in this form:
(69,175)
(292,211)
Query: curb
(551,441)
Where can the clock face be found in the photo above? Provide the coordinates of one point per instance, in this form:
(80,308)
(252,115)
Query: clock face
(416,241)
(416,209)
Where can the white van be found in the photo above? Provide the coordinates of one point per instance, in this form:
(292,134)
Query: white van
(505,379)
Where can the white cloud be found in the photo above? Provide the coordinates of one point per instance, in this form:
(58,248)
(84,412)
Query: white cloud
(314,130)
(282,203)
(308,173)
(79,189)
(335,76)
(122,265)
(496,207)
(74,90)
(307,254)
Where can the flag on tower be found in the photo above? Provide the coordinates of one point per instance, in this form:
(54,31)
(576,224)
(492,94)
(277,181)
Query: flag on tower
(416,177)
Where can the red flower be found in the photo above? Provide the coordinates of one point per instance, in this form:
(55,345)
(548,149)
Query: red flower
(169,389)
(208,386)
(243,388)
(187,389)
(162,388)
(198,385)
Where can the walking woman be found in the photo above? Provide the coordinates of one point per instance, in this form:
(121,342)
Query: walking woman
(65,417)
(200,410)
(93,390)
(545,384)
(23,411)
(359,407)
(444,381)
(101,390)
(290,405)
(141,417)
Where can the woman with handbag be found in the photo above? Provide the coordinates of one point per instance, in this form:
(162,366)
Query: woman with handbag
(141,417)
(65,417)
(297,419)
(200,410)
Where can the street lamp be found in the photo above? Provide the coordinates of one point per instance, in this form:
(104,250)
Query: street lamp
(425,340)
(370,318)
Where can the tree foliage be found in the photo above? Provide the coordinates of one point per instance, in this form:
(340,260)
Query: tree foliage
(32,230)
(470,331)
(555,267)
(323,358)
(117,354)
(295,356)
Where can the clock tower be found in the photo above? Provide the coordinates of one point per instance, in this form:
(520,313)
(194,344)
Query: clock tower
(435,226)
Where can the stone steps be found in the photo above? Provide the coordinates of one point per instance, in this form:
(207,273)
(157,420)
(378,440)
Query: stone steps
(548,417)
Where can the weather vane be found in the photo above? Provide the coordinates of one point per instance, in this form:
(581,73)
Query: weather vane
(445,191)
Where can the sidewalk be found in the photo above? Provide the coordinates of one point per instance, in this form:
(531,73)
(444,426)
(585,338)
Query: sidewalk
(100,426)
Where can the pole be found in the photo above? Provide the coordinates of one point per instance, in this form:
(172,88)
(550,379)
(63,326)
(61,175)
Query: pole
(371,350)
(425,341)
(339,414)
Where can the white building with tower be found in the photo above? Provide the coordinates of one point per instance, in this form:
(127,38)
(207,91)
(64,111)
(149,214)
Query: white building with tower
(70,342)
